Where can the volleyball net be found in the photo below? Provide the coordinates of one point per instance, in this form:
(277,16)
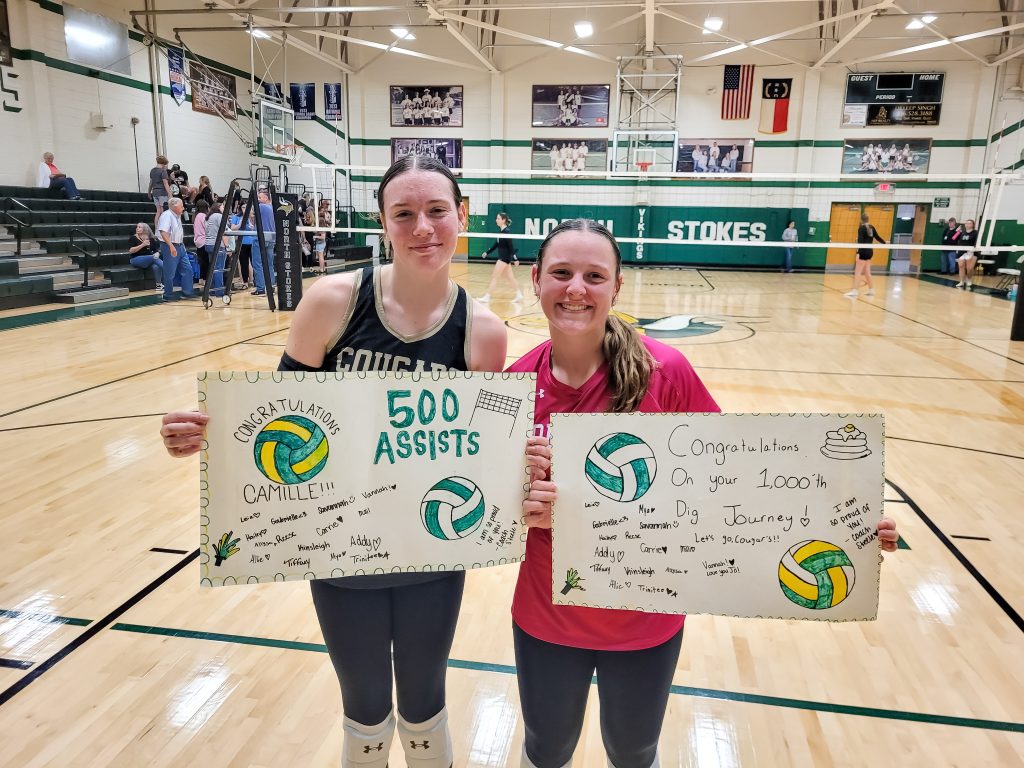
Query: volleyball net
(662,217)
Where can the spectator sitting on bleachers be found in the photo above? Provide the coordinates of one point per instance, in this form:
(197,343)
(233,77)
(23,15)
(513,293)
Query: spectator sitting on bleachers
(51,177)
(144,249)
(179,183)
(204,192)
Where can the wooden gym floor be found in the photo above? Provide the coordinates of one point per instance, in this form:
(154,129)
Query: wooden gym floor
(111,655)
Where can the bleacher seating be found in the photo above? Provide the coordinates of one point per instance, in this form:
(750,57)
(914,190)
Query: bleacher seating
(50,264)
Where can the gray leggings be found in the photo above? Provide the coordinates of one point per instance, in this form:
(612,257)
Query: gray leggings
(633,688)
(361,626)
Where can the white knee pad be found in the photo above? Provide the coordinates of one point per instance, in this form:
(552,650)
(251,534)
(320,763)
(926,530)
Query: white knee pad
(427,744)
(367,746)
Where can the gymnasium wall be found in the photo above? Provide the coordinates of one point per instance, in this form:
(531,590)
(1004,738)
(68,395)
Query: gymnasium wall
(54,100)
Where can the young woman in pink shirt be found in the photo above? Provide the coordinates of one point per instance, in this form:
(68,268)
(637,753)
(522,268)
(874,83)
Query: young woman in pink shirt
(595,362)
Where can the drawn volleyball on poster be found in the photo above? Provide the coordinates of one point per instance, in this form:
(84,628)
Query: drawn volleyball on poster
(816,575)
(452,509)
(291,449)
(621,466)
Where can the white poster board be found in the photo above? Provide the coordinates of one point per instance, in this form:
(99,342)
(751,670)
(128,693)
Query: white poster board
(322,475)
(733,514)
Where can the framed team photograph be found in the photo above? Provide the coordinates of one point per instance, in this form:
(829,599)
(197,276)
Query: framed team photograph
(725,156)
(427,106)
(571,106)
(564,157)
(448,151)
(213,92)
(886,155)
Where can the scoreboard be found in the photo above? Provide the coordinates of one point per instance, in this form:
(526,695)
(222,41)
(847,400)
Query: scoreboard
(893,99)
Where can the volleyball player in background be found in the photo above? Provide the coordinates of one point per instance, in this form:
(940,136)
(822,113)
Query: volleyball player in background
(506,258)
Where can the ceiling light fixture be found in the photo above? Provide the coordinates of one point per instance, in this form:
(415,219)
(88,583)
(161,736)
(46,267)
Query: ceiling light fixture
(928,18)
(402,33)
(713,24)
(258,33)
(915,24)
(584,29)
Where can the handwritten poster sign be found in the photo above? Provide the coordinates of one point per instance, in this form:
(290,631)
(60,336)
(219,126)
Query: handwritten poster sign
(320,475)
(737,514)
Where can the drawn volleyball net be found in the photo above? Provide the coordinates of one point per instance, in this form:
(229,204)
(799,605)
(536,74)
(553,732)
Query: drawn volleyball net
(664,217)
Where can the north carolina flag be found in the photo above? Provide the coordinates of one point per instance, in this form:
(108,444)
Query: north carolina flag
(775,105)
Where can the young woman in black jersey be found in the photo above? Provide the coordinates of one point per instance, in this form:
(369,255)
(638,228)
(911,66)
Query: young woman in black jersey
(966,260)
(408,315)
(506,258)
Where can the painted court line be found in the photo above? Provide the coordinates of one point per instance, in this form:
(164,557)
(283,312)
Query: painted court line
(680,690)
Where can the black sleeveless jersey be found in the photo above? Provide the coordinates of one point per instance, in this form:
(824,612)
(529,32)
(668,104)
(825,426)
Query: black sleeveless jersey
(366,342)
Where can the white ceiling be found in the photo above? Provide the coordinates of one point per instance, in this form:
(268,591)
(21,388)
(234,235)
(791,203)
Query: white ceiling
(499,35)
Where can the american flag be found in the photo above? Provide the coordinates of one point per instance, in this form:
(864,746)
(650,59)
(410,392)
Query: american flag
(736,89)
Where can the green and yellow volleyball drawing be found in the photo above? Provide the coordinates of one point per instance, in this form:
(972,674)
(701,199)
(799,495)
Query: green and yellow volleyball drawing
(816,575)
(452,509)
(291,449)
(621,466)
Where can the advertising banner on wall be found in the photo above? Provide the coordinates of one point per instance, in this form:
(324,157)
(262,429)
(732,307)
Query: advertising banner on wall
(332,102)
(303,100)
(738,226)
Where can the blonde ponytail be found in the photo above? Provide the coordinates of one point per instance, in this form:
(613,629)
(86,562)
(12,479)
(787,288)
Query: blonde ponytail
(629,365)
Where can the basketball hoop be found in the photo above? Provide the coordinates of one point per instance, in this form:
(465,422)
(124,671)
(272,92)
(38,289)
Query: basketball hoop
(643,166)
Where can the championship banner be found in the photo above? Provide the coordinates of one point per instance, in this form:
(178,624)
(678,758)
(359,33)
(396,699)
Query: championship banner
(746,515)
(332,102)
(303,100)
(318,475)
(176,73)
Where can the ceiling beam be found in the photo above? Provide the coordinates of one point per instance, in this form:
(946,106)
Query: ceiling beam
(470,47)
(649,14)
(1011,54)
(938,34)
(939,44)
(739,44)
(446,16)
(790,32)
(852,34)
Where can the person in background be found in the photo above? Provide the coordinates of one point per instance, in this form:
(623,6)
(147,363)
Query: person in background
(203,191)
(950,237)
(217,251)
(789,235)
(159,187)
(143,247)
(52,177)
(179,183)
(506,258)
(866,234)
(967,259)
(264,214)
(245,248)
(199,238)
(172,251)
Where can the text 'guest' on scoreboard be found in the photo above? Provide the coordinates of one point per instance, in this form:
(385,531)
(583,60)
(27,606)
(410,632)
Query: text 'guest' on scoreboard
(893,98)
